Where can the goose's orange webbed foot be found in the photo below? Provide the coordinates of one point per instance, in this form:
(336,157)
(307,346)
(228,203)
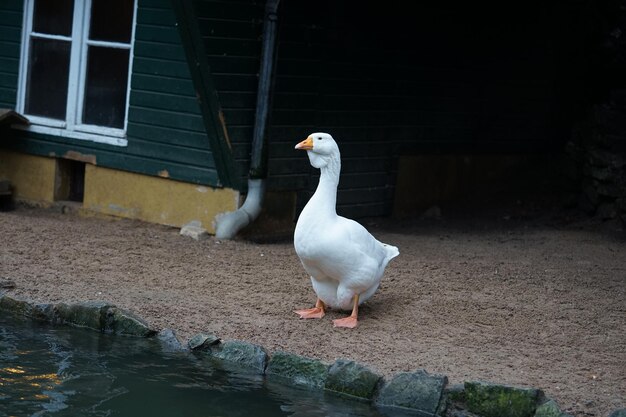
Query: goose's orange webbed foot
(316,312)
(349,322)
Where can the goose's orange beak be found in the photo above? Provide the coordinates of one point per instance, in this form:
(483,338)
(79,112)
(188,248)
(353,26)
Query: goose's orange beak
(305,145)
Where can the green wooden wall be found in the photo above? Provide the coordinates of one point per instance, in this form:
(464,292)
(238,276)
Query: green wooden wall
(10,40)
(231,32)
(165,127)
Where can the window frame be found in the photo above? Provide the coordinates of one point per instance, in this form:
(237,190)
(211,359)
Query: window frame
(72,127)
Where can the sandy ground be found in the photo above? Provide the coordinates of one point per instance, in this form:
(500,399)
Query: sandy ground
(516,299)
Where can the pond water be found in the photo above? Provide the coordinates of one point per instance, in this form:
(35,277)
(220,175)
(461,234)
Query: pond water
(62,371)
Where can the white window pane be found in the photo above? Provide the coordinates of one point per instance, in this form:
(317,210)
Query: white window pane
(111,20)
(105,87)
(53,17)
(48,73)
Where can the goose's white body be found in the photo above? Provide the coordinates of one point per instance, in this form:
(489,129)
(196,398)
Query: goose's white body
(343,259)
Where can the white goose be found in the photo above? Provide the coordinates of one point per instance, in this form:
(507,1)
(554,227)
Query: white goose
(345,262)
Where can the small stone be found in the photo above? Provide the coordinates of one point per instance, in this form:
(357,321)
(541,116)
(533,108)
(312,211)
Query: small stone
(6,283)
(89,314)
(415,390)
(619,413)
(169,341)
(350,378)
(194,230)
(243,354)
(298,369)
(119,321)
(493,400)
(203,341)
(548,409)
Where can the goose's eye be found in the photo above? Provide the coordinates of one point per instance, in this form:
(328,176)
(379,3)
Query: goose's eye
(320,138)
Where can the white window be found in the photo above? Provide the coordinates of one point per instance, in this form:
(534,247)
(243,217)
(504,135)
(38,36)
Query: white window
(75,68)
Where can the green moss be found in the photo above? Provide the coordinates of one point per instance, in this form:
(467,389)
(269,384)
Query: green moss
(119,321)
(90,314)
(350,378)
(548,409)
(298,369)
(243,354)
(492,400)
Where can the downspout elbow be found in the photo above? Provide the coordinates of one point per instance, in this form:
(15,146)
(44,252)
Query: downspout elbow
(228,224)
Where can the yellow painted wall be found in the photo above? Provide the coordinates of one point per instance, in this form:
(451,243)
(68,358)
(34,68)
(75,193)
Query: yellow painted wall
(119,193)
(154,199)
(32,177)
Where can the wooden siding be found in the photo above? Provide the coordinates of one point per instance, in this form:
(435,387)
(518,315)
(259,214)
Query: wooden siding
(387,80)
(166,135)
(231,35)
(10,41)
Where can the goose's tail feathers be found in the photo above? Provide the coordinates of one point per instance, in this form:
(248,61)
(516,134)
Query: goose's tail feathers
(392,252)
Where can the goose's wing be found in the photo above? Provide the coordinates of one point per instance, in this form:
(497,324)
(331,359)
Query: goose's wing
(361,242)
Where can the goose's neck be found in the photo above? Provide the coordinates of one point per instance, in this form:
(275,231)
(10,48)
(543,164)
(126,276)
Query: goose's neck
(325,197)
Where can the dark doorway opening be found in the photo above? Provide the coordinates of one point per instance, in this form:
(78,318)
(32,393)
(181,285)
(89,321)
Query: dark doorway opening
(70,181)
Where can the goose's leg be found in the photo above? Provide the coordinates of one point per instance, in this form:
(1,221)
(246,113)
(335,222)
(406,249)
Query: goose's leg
(316,312)
(350,321)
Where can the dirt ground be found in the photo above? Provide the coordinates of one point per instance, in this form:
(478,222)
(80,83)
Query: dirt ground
(512,298)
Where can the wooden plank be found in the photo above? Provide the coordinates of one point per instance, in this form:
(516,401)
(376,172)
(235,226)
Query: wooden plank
(161,134)
(9,64)
(198,67)
(8,80)
(159,100)
(10,18)
(13,5)
(11,33)
(238,100)
(232,65)
(229,28)
(174,153)
(362,211)
(239,117)
(242,10)
(179,86)
(240,134)
(158,50)
(250,48)
(9,49)
(8,97)
(363,196)
(236,82)
(178,120)
(151,66)
(157,17)
(164,34)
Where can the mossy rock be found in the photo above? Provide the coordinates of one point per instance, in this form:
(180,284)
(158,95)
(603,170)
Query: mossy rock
(548,409)
(243,354)
(619,413)
(493,400)
(203,341)
(90,314)
(119,321)
(21,308)
(413,390)
(351,378)
(298,369)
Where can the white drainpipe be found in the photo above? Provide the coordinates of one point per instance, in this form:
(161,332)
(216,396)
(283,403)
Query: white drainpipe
(228,224)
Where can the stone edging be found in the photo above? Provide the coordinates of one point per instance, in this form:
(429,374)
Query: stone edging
(419,392)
